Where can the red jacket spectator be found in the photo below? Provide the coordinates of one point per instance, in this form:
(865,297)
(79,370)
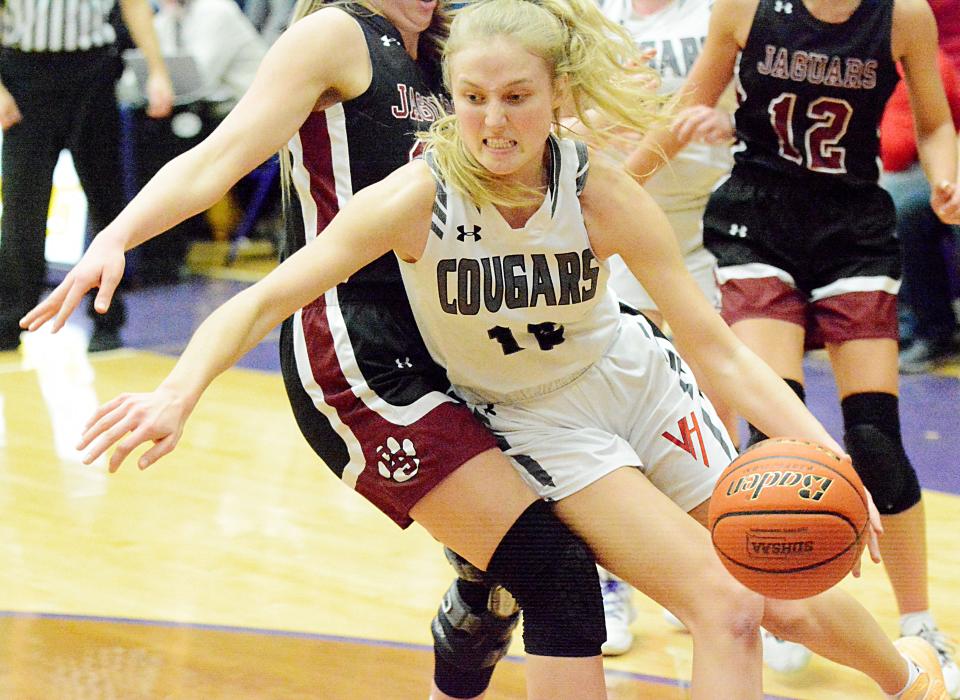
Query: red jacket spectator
(898,145)
(947,13)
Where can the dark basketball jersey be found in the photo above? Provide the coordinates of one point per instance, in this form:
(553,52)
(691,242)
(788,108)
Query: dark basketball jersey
(356,143)
(353,361)
(811,92)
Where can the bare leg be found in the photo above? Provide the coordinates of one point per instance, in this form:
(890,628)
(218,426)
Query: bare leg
(835,626)
(471,511)
(640,535)
(863,366)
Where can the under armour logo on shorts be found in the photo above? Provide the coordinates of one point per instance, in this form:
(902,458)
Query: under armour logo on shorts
(474,234)
(784,7)
(398,462)
(738,230)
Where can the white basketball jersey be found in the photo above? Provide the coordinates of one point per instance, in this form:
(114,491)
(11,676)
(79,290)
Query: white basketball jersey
(677,33)
(510,311)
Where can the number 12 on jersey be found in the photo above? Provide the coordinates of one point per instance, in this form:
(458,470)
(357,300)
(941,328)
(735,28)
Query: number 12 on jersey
(820,150)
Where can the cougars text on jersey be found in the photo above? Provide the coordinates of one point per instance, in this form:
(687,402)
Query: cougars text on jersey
(516,281)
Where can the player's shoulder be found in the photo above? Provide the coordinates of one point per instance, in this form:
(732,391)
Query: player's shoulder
(608,193)
(333,25)
(906,12)
(732,19)
(914,26)
(606,178)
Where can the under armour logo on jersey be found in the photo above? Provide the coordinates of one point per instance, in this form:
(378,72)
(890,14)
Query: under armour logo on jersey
(402,363)
(474,234)
(389,41)
(738,230)
(784,7)
(397,462)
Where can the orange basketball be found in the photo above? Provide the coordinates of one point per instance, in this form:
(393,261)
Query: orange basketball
(788,518)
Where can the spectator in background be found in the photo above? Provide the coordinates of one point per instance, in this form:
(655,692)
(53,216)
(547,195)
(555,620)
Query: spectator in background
(226,51)
(58,69)
(927,319)
(222,41)
(270,17)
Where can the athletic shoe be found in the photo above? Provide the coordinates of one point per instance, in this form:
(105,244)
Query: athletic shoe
(9,340)
(924,355)
(929,684)
(618,613)
(781,655)
(104,339)
(944,648)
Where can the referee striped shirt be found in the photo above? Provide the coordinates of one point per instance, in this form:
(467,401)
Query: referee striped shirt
(56,25)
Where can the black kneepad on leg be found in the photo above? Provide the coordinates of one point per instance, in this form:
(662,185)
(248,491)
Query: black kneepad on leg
(553,576)
(871,423)
(755,435)
(471,632)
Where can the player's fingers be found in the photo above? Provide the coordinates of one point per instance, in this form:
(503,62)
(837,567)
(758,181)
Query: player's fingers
(874,529)
(140,435)
(873,544)
(161,448)
(43,311)
(875,523)
(105,423)
(70,303)
(109,281)
(101,443)
(856,568)
(104,410)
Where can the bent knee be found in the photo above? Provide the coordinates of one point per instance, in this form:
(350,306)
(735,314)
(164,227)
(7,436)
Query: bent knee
(785,618)
(726,608)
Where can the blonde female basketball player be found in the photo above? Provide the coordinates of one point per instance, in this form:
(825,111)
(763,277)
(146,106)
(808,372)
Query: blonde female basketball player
(502,233)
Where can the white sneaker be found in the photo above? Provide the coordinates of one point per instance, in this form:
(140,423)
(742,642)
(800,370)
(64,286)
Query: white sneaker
(618,613)
(781,655)
(944,648)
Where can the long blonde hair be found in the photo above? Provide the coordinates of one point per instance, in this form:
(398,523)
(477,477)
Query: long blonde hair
(592,59)
(430,48)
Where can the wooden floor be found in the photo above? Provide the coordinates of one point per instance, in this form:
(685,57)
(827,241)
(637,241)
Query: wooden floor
(239,567)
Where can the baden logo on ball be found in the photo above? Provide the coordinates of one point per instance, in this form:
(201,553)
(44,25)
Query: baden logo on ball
(788,518)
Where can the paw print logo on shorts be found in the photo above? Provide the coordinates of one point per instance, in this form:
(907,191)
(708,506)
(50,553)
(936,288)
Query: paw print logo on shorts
(396,461)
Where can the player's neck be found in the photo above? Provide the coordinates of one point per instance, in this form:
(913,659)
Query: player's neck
(832,11)
(649,7)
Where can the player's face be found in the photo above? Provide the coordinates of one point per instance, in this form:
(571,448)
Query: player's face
(503,97)
(408,16)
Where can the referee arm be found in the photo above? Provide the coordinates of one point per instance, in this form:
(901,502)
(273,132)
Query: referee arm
(138,17)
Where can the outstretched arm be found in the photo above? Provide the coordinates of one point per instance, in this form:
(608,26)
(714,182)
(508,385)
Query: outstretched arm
(320,60)
(622,218)
(393,214)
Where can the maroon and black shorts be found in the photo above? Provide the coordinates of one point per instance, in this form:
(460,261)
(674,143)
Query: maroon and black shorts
(372,403)
(819,253)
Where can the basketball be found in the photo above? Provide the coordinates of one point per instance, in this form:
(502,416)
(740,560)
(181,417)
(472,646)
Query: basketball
(788,518)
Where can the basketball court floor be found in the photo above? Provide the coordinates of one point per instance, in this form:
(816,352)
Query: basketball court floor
(238,567)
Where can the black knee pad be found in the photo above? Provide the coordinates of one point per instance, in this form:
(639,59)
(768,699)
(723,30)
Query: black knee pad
(871,424)
(471,633)
(755,435)
(553,576)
